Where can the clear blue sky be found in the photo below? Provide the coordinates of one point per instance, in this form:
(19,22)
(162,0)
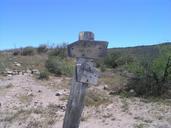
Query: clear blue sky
(121,22)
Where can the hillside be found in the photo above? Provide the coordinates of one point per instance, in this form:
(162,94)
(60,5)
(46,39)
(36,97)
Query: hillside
(151,51)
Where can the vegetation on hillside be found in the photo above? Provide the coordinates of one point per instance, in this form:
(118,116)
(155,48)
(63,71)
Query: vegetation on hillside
(150,65)
(153,74)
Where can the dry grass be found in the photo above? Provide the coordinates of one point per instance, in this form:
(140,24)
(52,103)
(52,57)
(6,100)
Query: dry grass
(56,83)
(96,97)
(113,80)
(4,89)
(26,99)
(33,62)
(125,105)
(48,116)
(141,125)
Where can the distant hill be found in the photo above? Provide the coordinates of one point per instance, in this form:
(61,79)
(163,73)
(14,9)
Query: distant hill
(150,51)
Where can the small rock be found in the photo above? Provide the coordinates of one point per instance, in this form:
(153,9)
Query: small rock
(61,107)
(57,94)
(28,71)
(29,94)
(39,91)
(9,72)
(132,92)
(9,75)
(106,87)
(17,64)
(113,93)
(35,72)
(14,72)
(113,119)
(35,103)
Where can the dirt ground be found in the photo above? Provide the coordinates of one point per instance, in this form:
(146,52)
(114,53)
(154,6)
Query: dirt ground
(26,102)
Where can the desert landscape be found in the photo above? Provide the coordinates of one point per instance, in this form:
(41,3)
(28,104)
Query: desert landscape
(85,64)
(29,103)
(31,100)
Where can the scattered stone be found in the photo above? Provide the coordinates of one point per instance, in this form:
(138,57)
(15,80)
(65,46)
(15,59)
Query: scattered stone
(17,64)
(9,75)
(29,94)
(132,92)
(113,93)
(35,72)
(9,72)
(113,118)
(61,107)
(14,72)
(28,71)
(57,94)
(39,91)
(35,103)
(106,87)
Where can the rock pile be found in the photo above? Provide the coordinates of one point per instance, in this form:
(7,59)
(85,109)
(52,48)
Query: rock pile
(9,72)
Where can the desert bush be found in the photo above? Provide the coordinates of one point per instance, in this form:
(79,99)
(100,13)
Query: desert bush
(28,51)
(115,59)
(60,51)
(102,68)
(42,48)
(16,52)
(110,60)
(96,98)
(152,75)
(124,60)
(59,66)
(44,75)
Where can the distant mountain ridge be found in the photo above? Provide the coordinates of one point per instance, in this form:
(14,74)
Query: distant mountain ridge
(141,51)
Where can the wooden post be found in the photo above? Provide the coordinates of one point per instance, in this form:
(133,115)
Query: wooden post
(85,49)
(75,103)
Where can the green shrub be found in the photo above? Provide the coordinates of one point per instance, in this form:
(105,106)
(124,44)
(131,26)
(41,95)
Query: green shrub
(110,60)
(152,77)
(42,48)
(102,68)
(44,75)
(59,66)
(96,98)
(16,52)
(115,59)
(28,51)
(60,51)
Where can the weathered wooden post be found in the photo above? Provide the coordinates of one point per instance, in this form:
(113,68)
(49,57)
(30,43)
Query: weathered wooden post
(86,49)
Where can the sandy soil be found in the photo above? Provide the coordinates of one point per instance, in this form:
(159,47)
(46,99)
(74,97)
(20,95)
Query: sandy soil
(26,102)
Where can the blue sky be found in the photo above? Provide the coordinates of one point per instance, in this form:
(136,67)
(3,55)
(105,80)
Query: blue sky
(121,22)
